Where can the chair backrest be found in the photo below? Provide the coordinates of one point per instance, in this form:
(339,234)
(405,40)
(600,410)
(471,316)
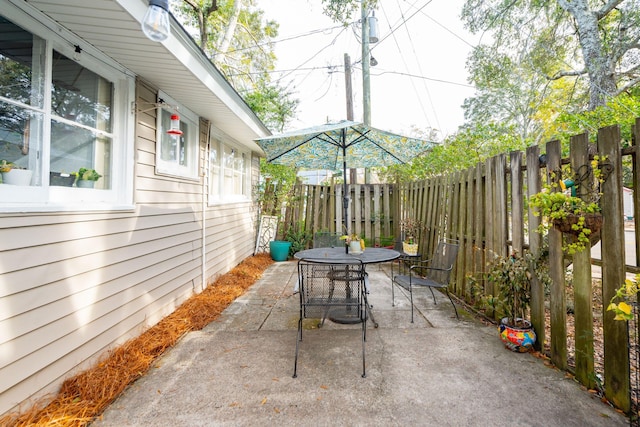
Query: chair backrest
(326,239)
(323,285)
(443,260)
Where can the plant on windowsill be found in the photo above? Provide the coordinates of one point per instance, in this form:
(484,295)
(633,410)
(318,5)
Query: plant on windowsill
(86,178)
(572,215)
(14,174)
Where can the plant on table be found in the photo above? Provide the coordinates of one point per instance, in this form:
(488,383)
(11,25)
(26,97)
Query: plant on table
(412,229)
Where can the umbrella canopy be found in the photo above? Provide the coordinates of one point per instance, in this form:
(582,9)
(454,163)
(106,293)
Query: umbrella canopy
(344,144)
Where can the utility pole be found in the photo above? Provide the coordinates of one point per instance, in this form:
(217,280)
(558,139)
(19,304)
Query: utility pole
(366,90)
(347,85)
(353,173)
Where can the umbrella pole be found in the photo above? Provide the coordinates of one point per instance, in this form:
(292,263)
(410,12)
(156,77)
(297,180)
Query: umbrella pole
(345,196)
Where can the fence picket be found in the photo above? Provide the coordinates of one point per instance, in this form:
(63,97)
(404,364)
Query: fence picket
(582,284)
(616,362)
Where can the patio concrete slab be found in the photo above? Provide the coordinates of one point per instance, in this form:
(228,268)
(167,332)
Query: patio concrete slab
(437,371)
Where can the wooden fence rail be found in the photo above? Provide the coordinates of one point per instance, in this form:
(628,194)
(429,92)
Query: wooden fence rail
(485,209)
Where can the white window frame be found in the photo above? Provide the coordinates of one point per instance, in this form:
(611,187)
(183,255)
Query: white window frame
(219,190)
(189,119)
(43,197)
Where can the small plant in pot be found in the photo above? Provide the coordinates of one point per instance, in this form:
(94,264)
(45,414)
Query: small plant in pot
(512,279)
(87,177)
(412,229)
(14,174)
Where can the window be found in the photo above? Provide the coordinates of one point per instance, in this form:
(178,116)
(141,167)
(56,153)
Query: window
(229,172)
(60,110)
(177,155)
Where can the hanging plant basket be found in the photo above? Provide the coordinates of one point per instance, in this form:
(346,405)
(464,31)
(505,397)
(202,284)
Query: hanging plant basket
(592,221)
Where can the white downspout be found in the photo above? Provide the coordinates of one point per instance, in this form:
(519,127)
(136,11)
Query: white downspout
(205,185)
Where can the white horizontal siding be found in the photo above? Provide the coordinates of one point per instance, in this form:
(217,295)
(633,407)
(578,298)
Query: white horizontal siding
(73,285)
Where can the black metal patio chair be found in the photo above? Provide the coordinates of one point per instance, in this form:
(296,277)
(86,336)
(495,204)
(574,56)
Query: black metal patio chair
(328,290)
(430,273)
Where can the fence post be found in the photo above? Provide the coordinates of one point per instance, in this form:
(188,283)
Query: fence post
(582,284)
(616,360)
(535,246)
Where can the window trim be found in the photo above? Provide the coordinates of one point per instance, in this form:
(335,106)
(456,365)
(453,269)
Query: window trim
(221,197)
(43,197)
(166,168)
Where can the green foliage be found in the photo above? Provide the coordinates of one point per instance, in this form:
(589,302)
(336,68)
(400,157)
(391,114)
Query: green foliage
(238,39)
(622,110)
(275,187)
(627,293)
(511,276)
(88,174)
(555,204)
(298,236)
(344,11)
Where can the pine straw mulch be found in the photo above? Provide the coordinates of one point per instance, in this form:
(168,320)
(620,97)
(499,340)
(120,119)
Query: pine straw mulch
(84,397)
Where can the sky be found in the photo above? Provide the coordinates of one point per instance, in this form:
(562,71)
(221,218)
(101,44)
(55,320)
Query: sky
(420,80)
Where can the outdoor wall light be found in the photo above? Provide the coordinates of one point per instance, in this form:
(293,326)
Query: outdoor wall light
(155,24)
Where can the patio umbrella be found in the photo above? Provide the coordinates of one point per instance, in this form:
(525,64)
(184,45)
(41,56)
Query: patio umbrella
(346,143)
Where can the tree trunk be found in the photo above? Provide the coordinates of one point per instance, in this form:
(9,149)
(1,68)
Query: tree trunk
(598,65)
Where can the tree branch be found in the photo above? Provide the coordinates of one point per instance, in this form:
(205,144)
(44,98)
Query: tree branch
(605,9)
(561,74)
(628,86)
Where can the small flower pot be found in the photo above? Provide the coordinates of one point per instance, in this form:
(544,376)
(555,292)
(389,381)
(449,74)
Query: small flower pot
(354,247)
(410,248)
(519,339)
(84,183)
(17,177)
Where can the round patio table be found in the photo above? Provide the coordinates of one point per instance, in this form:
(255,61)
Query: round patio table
(339,256)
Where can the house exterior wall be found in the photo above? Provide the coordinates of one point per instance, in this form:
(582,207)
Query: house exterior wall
(75,284)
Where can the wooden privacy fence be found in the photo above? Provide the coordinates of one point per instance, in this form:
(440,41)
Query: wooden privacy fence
(370,214)
(485,209)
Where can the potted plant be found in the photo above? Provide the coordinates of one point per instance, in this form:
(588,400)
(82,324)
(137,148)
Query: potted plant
(86,178)
(14,174)
(354,243)
(560,207)
(511,276)
(412,228)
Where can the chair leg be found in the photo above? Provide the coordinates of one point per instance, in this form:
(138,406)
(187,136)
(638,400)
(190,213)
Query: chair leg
(411,297)
(364,339)
(433,295)
(454,306)
(298,339)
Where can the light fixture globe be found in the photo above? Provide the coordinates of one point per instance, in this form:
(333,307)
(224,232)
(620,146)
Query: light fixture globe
(155,24)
